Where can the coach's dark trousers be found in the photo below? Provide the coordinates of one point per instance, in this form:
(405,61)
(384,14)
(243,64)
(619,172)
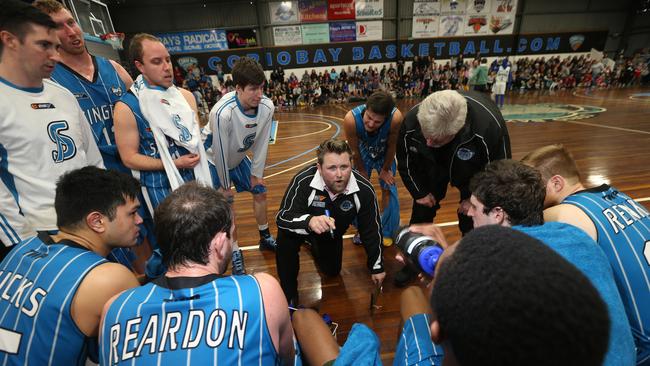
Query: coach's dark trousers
(327,252)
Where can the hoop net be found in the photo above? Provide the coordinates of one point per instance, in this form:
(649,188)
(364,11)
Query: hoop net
(114,39)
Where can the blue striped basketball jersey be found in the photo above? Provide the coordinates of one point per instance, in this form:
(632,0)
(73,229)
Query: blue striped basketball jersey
(624,235)
(148,147)
(38,281)
(372,146)
(208,320)
(97,98)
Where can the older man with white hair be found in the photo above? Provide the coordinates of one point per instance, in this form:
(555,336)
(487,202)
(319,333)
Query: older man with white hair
(446,139)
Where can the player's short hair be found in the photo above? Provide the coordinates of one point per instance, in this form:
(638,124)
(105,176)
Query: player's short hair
(82,191)
(17,17)
(504,298)
(553,160)
(49,6)
(247,71)
(516,188)
(442,113)
(187,221)
(381,102)
(335,146)
(135,47)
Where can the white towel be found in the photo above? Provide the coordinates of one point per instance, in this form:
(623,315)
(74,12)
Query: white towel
(169,114)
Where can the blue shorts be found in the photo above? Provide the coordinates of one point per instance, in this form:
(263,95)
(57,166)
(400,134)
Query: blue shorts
(240,177)
(415,346)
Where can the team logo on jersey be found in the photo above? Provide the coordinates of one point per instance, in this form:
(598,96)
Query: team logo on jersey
(65,146)
(464,153)
(250,125)
(317,203)
(164,101)
(248,142)
(185,135)
(346,206)
(42,106)
(117,91)
(81,95)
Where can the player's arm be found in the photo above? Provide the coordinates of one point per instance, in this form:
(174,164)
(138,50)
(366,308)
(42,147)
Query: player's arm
(260,147)
(277,317)
(100,285)
(93,156)
(122,73)
(350,128)
(220,122)
(572,215)
(386,174)
(127,139)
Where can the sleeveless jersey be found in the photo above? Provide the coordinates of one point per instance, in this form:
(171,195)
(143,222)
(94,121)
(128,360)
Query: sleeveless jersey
(623,227)
(38,281)
(97,97)
(43,135)
(372,146)
(148,147)
(502,75)
(208,320)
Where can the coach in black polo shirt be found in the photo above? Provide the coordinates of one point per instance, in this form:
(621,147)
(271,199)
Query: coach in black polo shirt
(446,139)
(320,203)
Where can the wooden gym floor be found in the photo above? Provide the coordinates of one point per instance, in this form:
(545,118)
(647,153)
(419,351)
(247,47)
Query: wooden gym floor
(612,146)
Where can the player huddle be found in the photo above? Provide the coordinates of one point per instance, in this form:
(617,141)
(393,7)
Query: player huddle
(93,163)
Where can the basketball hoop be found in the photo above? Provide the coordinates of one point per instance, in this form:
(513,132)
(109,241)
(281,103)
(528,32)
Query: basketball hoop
(114,39)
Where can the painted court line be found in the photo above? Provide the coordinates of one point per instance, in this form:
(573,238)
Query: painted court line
(610,127)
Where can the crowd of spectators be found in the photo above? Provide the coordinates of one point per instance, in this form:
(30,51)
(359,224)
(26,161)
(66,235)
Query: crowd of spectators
(423,76)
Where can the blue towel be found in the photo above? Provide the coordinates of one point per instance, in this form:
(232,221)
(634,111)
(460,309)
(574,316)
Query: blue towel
(360,349)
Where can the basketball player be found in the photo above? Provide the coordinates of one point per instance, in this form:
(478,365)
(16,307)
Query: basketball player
(371,130)
(194,314)
(55,286)
(500,83)
(44,132)
(95,81)
(239,122)
(156,130)
(619,224)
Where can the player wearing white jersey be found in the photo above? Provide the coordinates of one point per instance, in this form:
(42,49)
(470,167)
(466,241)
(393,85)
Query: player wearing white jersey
(501,82)
(44,131)
(239,122)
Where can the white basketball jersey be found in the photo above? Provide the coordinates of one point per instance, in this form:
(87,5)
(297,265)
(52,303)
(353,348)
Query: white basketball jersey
(502,75)
(234,133)
(44,134)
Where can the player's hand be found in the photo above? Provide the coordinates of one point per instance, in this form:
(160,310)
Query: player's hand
(378,278)
(228,193)
(464,206)
(188,161)
(431,230)
(387,177)
(428,200)
(321,224)
(255,181)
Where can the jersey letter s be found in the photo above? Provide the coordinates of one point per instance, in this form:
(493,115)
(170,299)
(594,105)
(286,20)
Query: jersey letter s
(65,146)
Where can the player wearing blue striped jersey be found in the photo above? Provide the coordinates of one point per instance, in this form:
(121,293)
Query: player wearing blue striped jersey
(371,130)
(135,137)
(239,124)
(619,224)
(55,286)
(194,314)
(44,132)
(96,82)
